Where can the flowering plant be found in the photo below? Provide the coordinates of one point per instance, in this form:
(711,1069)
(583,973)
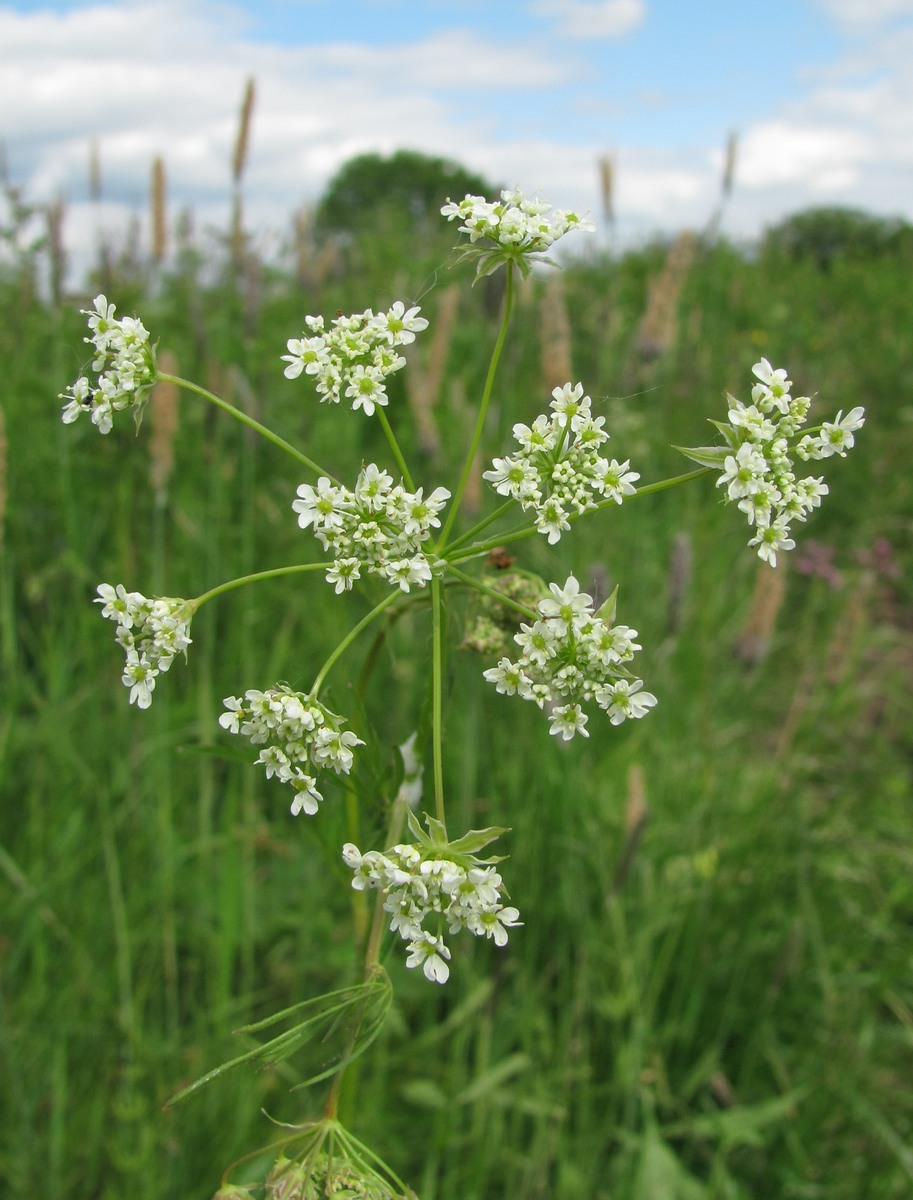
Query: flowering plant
(386,532)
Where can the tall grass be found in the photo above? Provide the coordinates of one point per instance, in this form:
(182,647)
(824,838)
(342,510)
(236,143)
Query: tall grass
(711,995)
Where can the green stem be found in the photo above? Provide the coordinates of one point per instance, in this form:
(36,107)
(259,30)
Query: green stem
(437,689)
(525,531)
(495,595)
(275,573)
(663,484)
(504,539)
(394,446)
(248,421)
(372,952)
(483,408)
(349,638)
(480,525)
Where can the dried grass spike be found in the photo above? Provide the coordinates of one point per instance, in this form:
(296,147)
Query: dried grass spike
(660,320)
(607,187)
(239,160)
(555,334)
(753,642)
(159,217)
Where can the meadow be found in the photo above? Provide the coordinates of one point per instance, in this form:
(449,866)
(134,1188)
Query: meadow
(711,996)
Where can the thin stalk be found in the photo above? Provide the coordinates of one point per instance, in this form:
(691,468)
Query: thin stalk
(663,484)
(394,446)
(274,573)
(480,525)
(372,953)
(516,535)
(483,407)
(495,595)
(505,539)
(249,422)
(349,639)
(437,689)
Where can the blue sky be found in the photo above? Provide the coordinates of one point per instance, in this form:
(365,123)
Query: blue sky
(527,92)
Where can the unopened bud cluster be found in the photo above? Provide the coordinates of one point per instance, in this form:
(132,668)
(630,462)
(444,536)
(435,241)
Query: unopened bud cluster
(571,656)
(377,527)
(124,365)
(759,474)
(492,629)
(151,630)
(356,355)
(558,471)
(300,737)
(422,888)
(322,1175)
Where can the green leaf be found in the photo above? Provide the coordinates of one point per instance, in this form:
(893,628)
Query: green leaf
(477,839)
(707,456)
(661,1176)
(606,610)
(351,1017)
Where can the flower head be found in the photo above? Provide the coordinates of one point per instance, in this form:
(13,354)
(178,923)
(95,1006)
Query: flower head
(756,466)
(124,364)
(356,355)
(516,228)
(433,885)
(379,528)
(570,656)
(299,735)
(152,631)
(558,471)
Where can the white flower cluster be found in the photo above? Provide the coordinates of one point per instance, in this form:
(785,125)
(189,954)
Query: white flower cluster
(571,655)
(758,475)
(558,471)
(516,222)
(125,365)
(298,735)
(377,527)
(355,355)
(151,630)
(416,886)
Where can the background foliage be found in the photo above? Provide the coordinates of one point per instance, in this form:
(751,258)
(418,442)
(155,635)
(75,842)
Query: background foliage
(711,994)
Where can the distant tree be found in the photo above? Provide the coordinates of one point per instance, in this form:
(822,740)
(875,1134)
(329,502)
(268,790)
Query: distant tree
(824,235)
(408,186)
(385,214)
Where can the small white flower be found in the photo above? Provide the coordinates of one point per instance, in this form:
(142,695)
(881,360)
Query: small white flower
(307,797)
(343,573)
(615,481)
(568,605)
(139,676)
(430,954)
(570,405)
(568,719)
(624,700)
(836,436)
(400,326)
(508,678)
(495,922)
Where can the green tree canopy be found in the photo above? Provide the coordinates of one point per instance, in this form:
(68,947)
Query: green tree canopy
(371,190)
(825,234)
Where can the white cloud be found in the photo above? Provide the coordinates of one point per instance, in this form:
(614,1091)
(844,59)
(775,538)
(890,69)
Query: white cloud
(593,18)
(778,153)
(163,77)
(866,12)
